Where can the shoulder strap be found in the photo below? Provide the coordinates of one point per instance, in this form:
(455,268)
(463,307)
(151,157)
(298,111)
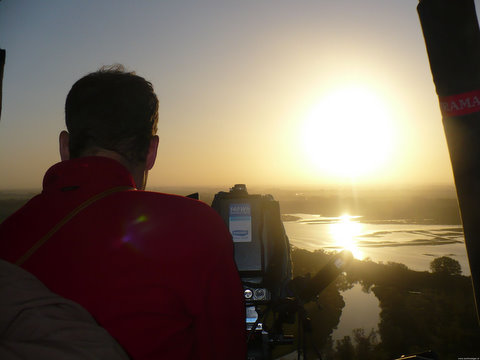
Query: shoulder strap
(67,218)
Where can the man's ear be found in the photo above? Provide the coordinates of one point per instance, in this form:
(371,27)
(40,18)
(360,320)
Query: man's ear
(152,153)
(64,141)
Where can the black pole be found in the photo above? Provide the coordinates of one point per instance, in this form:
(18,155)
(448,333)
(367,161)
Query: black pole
(2,64)
(452,38)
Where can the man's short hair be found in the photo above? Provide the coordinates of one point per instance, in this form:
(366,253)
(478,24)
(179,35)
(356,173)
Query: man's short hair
(111,109)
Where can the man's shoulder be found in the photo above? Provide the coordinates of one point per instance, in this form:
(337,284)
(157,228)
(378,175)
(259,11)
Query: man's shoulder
(175,209)
(29,210)
(167,216)
(170,202)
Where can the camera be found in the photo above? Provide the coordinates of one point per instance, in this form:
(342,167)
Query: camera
(262,249)
(262,255)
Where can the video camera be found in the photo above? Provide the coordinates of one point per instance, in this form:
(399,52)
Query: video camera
(262,255)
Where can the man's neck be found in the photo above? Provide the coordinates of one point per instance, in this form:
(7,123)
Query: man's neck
(137,171)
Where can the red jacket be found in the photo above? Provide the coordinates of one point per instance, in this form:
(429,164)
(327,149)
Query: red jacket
(155,270)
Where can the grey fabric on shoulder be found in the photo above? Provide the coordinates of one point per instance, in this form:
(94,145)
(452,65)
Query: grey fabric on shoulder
(38,324)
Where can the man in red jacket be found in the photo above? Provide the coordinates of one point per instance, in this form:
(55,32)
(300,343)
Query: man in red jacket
(155,270)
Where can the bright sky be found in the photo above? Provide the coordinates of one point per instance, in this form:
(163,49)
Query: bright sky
(257,92)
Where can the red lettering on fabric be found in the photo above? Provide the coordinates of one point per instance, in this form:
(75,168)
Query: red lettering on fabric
(460,104)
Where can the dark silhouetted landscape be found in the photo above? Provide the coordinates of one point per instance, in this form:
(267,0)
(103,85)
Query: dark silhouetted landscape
(420,311)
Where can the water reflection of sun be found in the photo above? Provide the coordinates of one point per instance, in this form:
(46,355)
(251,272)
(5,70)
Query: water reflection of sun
(344,232)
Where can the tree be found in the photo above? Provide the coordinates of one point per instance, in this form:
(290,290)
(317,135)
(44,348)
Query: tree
(365,344)
(345,349)
(446,266)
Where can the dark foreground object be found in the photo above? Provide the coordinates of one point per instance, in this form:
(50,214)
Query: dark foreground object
(2,64)
(263,259)
(452,37)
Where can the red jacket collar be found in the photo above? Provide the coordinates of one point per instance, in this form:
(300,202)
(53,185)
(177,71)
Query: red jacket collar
(96,173)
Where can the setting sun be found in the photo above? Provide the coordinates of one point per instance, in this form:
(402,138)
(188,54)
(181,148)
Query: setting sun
(348,133)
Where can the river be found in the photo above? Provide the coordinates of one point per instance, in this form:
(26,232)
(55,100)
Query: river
(414,245)
(396,240)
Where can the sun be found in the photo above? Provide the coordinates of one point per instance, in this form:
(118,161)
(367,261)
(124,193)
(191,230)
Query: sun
(348,133)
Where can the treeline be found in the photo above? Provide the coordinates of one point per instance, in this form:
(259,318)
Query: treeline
(419,311)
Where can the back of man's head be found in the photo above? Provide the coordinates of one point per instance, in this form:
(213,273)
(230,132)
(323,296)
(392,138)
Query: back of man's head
(113,110)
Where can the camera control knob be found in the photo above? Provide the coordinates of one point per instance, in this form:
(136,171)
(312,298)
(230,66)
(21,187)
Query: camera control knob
(260,294)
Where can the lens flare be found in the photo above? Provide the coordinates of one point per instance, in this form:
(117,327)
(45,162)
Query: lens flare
(141,219)
(133,231)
